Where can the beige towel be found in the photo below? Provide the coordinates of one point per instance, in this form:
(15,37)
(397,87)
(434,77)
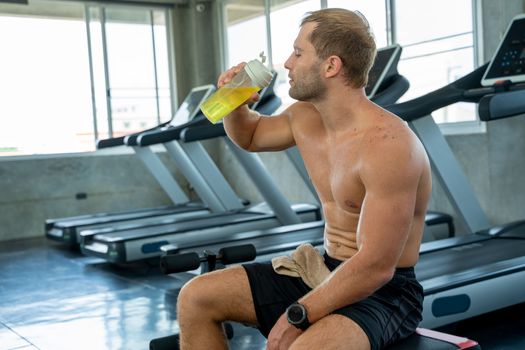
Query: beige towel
(305,262)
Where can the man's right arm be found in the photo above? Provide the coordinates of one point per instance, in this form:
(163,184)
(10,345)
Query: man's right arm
(251,131)
(256,133)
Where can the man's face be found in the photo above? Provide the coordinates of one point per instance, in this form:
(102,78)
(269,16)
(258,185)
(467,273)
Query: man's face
(304,68)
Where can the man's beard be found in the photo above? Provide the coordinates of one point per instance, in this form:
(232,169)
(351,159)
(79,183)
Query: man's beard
(310,88)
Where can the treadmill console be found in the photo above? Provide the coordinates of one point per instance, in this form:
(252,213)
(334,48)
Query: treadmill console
(508,63)
(384,65)
(190,106)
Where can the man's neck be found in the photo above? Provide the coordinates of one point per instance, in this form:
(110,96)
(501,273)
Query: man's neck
(341,109)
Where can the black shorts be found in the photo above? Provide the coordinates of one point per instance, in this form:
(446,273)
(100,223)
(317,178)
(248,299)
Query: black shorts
(392,313)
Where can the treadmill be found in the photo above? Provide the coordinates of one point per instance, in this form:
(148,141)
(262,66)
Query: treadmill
(68,230)
(127,243)
(484,269)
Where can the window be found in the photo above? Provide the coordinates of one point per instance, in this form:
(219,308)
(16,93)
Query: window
(434,54)
(45,85)
(245,30)
(130,60)
(57,53)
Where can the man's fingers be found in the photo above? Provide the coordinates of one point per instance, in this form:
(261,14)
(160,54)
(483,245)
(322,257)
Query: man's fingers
(228,75)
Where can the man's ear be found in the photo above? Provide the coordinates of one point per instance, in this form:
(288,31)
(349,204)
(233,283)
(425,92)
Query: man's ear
(333,65)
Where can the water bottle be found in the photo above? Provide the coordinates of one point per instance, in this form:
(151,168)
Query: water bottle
(254,77)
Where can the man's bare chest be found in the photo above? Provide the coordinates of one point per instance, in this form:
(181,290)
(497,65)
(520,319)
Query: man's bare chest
(334,171)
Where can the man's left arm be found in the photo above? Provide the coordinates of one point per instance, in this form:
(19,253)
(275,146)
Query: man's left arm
(390,174)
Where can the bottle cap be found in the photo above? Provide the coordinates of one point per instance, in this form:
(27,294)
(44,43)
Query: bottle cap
(258,73)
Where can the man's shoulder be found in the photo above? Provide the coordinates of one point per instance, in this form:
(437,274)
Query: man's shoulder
(387,137)
(388,128)
(302,114)
(303,106)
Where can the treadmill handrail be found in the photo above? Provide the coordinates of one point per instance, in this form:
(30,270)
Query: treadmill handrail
(465,89)
(203,132)
(111,142)
(389,95)
(131,140)
(120,141)
(505,230)
(503,105)
(155,137)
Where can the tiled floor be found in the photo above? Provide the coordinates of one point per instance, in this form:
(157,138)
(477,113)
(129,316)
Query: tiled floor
(52,298)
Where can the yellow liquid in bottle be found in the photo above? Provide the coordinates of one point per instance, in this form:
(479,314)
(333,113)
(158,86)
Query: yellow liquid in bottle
(225,100)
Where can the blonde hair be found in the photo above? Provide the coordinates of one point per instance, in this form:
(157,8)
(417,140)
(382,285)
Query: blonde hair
(346,34)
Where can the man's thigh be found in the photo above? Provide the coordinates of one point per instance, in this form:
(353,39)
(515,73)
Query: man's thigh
(333,332)
(224,293)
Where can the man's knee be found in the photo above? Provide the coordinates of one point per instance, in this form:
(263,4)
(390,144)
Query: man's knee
(332,332)
(195,294)
(217,295)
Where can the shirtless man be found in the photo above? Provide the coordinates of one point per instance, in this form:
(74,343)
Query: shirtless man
(373,179)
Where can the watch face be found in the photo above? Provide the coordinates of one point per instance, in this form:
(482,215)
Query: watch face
(295,313)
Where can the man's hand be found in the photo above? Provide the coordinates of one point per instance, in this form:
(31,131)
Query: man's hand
(282,335)
(228,75)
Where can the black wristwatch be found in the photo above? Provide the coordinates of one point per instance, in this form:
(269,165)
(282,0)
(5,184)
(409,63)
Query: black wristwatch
(297,316)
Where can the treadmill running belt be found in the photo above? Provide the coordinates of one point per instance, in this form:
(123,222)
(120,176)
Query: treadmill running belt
(468,256)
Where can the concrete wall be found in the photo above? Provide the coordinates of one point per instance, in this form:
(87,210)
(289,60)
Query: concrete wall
(35,188)
(196,44)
